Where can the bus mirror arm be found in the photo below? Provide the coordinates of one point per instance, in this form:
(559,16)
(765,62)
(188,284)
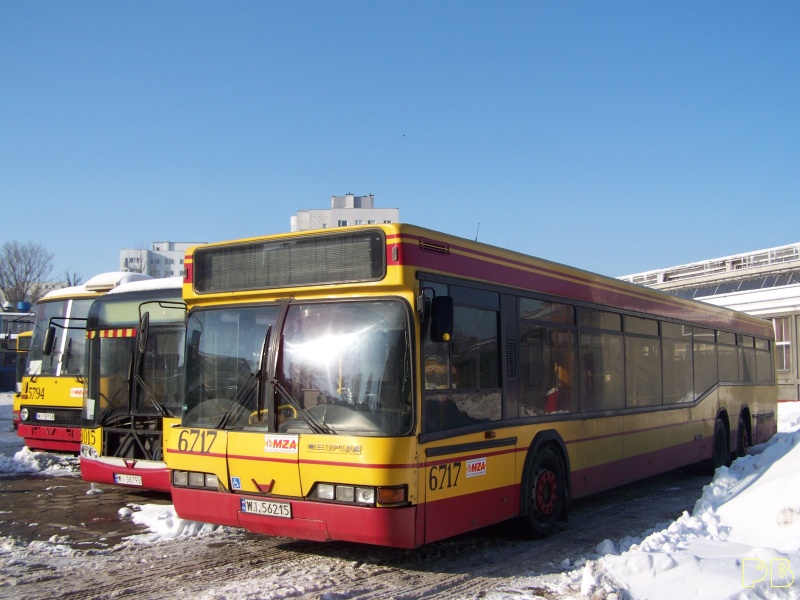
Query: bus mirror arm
(144,332)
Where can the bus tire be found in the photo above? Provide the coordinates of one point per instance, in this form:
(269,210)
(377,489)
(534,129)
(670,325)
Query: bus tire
(720,449)
(544,491)
(742,438)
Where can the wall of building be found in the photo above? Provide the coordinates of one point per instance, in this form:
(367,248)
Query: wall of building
(164,259)
(344,211)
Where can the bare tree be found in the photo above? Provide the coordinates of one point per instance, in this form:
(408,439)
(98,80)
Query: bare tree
(24,269)
(72,279)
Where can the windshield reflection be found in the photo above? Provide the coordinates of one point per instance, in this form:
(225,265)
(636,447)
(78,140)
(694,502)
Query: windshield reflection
(342,367)
(347,366)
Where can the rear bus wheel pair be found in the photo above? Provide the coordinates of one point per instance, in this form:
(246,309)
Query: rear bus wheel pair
(721,452)
(544,494)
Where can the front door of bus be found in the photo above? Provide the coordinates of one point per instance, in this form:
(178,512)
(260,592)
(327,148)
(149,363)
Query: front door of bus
(469,466)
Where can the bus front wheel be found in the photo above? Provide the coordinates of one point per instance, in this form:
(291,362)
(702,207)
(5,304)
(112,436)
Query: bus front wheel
(544,489)
(720,452)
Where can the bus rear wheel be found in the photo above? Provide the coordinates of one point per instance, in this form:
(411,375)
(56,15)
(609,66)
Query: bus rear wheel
(544,487)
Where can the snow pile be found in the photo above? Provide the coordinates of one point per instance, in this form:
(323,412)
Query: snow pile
(742,539)
(163,523)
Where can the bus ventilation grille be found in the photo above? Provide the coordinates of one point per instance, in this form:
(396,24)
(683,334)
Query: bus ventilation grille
(511,360)
(433,246)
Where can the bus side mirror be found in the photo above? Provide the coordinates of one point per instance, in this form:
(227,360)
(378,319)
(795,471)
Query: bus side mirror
(49,341)
(441,319)
(144,331)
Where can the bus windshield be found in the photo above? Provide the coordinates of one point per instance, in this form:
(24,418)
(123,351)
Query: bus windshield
(157,383)
(69,319)
(223,358)
(341,368)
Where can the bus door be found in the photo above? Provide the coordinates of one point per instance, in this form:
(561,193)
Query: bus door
(469,466)
(231,353)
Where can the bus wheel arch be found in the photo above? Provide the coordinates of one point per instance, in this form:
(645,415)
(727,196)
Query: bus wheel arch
(544,488)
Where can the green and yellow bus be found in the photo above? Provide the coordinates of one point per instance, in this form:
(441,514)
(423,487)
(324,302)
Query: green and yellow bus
(134,385)
(50,401)
(394,385)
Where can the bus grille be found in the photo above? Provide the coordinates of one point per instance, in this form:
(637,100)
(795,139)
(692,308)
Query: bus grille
(62,417)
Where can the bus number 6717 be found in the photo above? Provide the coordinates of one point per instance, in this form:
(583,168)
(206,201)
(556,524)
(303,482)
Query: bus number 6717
(444,476)
(189,438)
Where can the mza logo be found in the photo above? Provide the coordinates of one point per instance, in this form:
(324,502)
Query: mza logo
(280,443)
(476,467)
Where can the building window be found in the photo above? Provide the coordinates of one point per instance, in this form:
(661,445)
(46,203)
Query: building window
(783,344)
(342,223)
(359,221)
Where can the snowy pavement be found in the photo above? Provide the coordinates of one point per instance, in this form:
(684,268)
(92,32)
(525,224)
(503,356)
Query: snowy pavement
(742,540)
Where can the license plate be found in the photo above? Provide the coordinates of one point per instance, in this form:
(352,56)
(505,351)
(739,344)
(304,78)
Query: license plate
(40,416)
(267,508)
(124,479)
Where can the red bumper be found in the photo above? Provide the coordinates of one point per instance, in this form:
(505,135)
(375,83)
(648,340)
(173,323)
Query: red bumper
(54,439)
(154,478)
(316,521)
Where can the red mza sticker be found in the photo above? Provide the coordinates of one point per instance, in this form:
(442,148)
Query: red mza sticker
(476,467)
(280,443)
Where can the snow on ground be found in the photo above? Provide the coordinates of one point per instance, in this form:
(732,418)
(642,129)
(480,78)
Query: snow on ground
(741,541)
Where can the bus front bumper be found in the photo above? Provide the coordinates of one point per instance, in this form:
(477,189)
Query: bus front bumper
(53,439)
(316,521)
(141,474)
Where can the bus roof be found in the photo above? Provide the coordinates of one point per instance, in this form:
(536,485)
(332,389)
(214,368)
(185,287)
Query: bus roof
(147,285)
(98,284)
(446,255)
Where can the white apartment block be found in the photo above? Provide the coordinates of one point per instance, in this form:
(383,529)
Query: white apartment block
(164,259)
(345,210)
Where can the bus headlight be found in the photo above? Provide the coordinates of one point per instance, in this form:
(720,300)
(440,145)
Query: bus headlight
(195,480)
(89,451)
(24,414)
(360,495)
(180,478)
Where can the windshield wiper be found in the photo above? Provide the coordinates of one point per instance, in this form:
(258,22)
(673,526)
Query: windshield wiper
(67,357)
(238,401)
(112,403)
(315,425)
(141,383)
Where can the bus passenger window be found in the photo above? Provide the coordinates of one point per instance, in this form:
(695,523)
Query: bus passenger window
(549,370)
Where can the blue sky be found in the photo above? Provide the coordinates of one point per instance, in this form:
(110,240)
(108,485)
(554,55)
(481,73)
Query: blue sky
(617,137)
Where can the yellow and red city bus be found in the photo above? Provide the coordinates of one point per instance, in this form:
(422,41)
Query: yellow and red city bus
(395,385)
(134,385)
(50,401)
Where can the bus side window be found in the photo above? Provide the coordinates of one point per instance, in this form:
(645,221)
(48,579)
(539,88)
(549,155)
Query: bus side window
(462,376)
